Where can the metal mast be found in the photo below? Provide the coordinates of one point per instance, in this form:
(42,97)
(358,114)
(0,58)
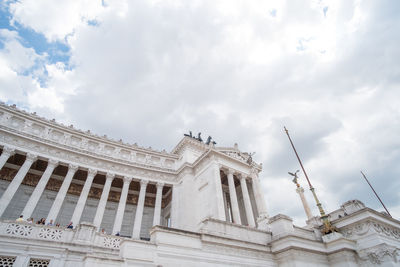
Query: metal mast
(375,193)
(328,228)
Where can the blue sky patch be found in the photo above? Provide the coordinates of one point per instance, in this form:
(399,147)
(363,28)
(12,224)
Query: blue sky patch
(56,51)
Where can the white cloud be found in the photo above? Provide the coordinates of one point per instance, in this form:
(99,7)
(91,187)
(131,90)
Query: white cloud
(22,71)
(238,71)
(55,19)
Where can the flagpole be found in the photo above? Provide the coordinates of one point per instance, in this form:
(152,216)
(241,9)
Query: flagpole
(328,228)
(375,193)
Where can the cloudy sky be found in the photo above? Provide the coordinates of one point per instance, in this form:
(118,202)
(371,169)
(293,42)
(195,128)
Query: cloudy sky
(149,71)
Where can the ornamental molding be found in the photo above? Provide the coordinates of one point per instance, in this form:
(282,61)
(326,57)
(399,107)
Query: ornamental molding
(6,111)
(370,226)
(34,127)
(241,156)
(380,254)
(86,161)
(192,143)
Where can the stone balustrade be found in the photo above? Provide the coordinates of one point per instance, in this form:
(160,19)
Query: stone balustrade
(80,235)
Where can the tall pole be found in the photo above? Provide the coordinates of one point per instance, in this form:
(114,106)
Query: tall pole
(328,228)
(375,193)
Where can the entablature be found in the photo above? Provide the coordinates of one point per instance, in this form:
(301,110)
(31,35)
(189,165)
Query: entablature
(34,127)
(84,160)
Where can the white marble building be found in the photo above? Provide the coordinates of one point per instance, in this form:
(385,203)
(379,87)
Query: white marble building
(199,205)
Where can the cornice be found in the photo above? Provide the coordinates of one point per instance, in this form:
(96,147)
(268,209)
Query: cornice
(102,164)
(88,135)
(189,141)
(365,214)
(31,129)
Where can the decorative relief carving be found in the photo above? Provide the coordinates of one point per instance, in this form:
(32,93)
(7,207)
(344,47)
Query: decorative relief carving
(16,122)
(51,233)
(111,242)
(386,230)
(19,229)
(75,189)
(31,179)
(95,192)
(365,227)
(114,196)
(150,201)
(53,185)
(55,141)
(56,135)
(132,199)
(379,254)
(7,174)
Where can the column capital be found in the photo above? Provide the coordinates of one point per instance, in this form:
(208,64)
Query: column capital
(110,175)
(241,176)
(143,182)
(231,171)
(127,179)
(53,163)
(8,151)
(160,185)
(72,167)
(254,172)
(92,172)
(31,157)
(300,190)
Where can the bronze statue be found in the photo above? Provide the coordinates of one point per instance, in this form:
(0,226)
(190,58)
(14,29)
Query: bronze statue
(295,177)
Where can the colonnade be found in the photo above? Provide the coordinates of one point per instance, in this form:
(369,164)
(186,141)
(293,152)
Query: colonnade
(257,192)
(56,206)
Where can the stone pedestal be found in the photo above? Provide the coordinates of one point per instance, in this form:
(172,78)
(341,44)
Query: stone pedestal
(281,224)
(85,233)
(263,223)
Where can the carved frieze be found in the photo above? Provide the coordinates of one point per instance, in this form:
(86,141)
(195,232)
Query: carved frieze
(75,189)
(99,164)
(114,196)
(7,174)
(58,135)
(380,254)
(365,227)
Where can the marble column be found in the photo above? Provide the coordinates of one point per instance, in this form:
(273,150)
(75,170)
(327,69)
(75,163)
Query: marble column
(220,209)
(103,200)
(38,191)
(16,182)
(121,206)
(157,208)
(233,198)
(62,192)
(5,155)
(174,212)
(307,209)
(262,219)
(259,197)
(139,210)
(76,217)
(247,202)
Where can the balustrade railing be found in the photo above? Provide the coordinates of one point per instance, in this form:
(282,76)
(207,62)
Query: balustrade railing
(56,234)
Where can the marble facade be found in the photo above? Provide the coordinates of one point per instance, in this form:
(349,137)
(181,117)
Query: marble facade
(198,205)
